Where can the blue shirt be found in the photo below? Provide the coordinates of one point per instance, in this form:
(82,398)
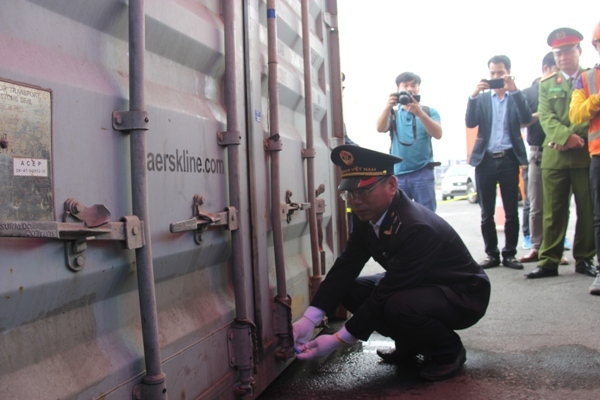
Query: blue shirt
(500,137)
(418,155)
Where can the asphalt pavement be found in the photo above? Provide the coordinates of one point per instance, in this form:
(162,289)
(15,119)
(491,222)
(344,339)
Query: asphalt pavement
(540,339)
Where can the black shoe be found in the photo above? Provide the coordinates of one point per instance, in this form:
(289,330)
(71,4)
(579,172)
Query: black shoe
(586,268)
(490,262)
(437,372)
(541,272)
(397,357)
(512,262)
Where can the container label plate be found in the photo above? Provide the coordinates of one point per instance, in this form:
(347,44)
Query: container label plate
(26,153)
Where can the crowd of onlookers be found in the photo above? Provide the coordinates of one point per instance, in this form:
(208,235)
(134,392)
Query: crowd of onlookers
(559,112)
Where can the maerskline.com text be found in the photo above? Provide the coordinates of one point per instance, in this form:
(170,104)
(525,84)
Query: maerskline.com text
(182,161)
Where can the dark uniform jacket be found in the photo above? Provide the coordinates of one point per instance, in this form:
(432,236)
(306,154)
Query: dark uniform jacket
(535,133)
(480,113)
(416,247)
(553,111)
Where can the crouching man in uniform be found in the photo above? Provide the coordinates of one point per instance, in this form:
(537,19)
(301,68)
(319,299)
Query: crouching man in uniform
(431,288)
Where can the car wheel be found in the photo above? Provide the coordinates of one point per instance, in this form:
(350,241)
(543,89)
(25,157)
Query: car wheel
(471,193)
(444,197)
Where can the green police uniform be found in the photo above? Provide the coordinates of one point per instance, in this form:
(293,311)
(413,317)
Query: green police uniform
(563,171)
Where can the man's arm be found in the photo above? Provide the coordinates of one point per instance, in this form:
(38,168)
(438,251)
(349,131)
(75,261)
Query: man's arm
(433,128)
(582,108)
(528,95)
(472,117)
(534,118)
(383,122)
(345,270)
(523,110)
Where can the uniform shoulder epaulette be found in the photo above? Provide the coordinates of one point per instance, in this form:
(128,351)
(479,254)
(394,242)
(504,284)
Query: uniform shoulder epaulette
(547,77)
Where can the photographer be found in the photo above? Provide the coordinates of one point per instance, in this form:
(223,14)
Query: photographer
(411,128)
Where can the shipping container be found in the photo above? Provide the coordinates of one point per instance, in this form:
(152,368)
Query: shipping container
(167,208)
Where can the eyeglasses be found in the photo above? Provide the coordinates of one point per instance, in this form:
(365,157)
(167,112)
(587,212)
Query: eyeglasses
(362,194)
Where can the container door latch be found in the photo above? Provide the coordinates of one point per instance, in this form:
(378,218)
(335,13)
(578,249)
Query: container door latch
(202,220)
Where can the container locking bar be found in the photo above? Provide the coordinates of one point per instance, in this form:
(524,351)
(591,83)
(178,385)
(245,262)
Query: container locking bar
(202,220)
(94,225)
(289,207)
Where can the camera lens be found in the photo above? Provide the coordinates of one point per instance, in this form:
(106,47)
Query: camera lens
(404,98)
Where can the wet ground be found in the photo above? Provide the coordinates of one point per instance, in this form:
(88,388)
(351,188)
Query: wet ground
(540,339)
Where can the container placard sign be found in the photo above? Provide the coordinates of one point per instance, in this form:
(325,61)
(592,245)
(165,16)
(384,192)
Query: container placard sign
(26,189)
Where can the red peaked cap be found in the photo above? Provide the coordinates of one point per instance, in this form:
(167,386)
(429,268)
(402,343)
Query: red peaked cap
(362,167)
(564,37)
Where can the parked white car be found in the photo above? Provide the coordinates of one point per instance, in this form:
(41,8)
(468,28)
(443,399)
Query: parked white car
(459,180)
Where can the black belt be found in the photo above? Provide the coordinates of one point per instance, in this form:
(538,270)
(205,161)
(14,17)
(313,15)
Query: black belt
(498,154)
(536,148)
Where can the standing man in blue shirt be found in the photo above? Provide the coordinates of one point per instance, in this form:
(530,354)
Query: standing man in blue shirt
(497,154)
(411,128)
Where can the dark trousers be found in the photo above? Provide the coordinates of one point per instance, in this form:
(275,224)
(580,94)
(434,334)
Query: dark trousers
(526,204)
(595,189)
(421,320)
(505,172)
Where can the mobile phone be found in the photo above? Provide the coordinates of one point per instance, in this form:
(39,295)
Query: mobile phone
(495,83)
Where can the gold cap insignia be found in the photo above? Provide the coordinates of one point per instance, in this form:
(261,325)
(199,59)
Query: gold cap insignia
(347,157)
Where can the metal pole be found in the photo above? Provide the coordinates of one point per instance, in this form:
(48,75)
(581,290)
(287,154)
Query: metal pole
(275,149)
(245,359)
(154,380)
(309,152)
(337,113)
(273,145)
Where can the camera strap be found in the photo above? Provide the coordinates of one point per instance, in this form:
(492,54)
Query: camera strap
(394,128)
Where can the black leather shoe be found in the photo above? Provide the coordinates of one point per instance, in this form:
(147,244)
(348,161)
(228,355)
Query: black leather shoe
(490,262)
(541,272)
(512,263)
(397,357)
(433,371)
(586,268)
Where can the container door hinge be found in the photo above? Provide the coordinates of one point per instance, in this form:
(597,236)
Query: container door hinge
(80,225)
(202,220)
(226,138)
(282,327)
(242,344)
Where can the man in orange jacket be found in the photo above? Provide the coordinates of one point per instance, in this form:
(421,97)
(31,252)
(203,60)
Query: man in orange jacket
(585,106)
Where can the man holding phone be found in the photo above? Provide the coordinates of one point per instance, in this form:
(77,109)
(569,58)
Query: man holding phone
(411,128)
(497,154)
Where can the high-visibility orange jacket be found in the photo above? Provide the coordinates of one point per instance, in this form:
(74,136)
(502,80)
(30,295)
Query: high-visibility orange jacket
(585,106)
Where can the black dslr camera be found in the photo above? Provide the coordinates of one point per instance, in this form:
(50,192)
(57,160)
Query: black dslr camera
(404,97)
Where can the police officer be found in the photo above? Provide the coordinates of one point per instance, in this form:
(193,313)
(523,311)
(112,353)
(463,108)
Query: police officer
(565,164)
(431,286)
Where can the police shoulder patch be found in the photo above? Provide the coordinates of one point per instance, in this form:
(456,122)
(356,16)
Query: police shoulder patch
(548,77)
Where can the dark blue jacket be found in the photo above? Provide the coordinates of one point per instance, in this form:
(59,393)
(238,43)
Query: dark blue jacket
(479,113)
(417,248)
